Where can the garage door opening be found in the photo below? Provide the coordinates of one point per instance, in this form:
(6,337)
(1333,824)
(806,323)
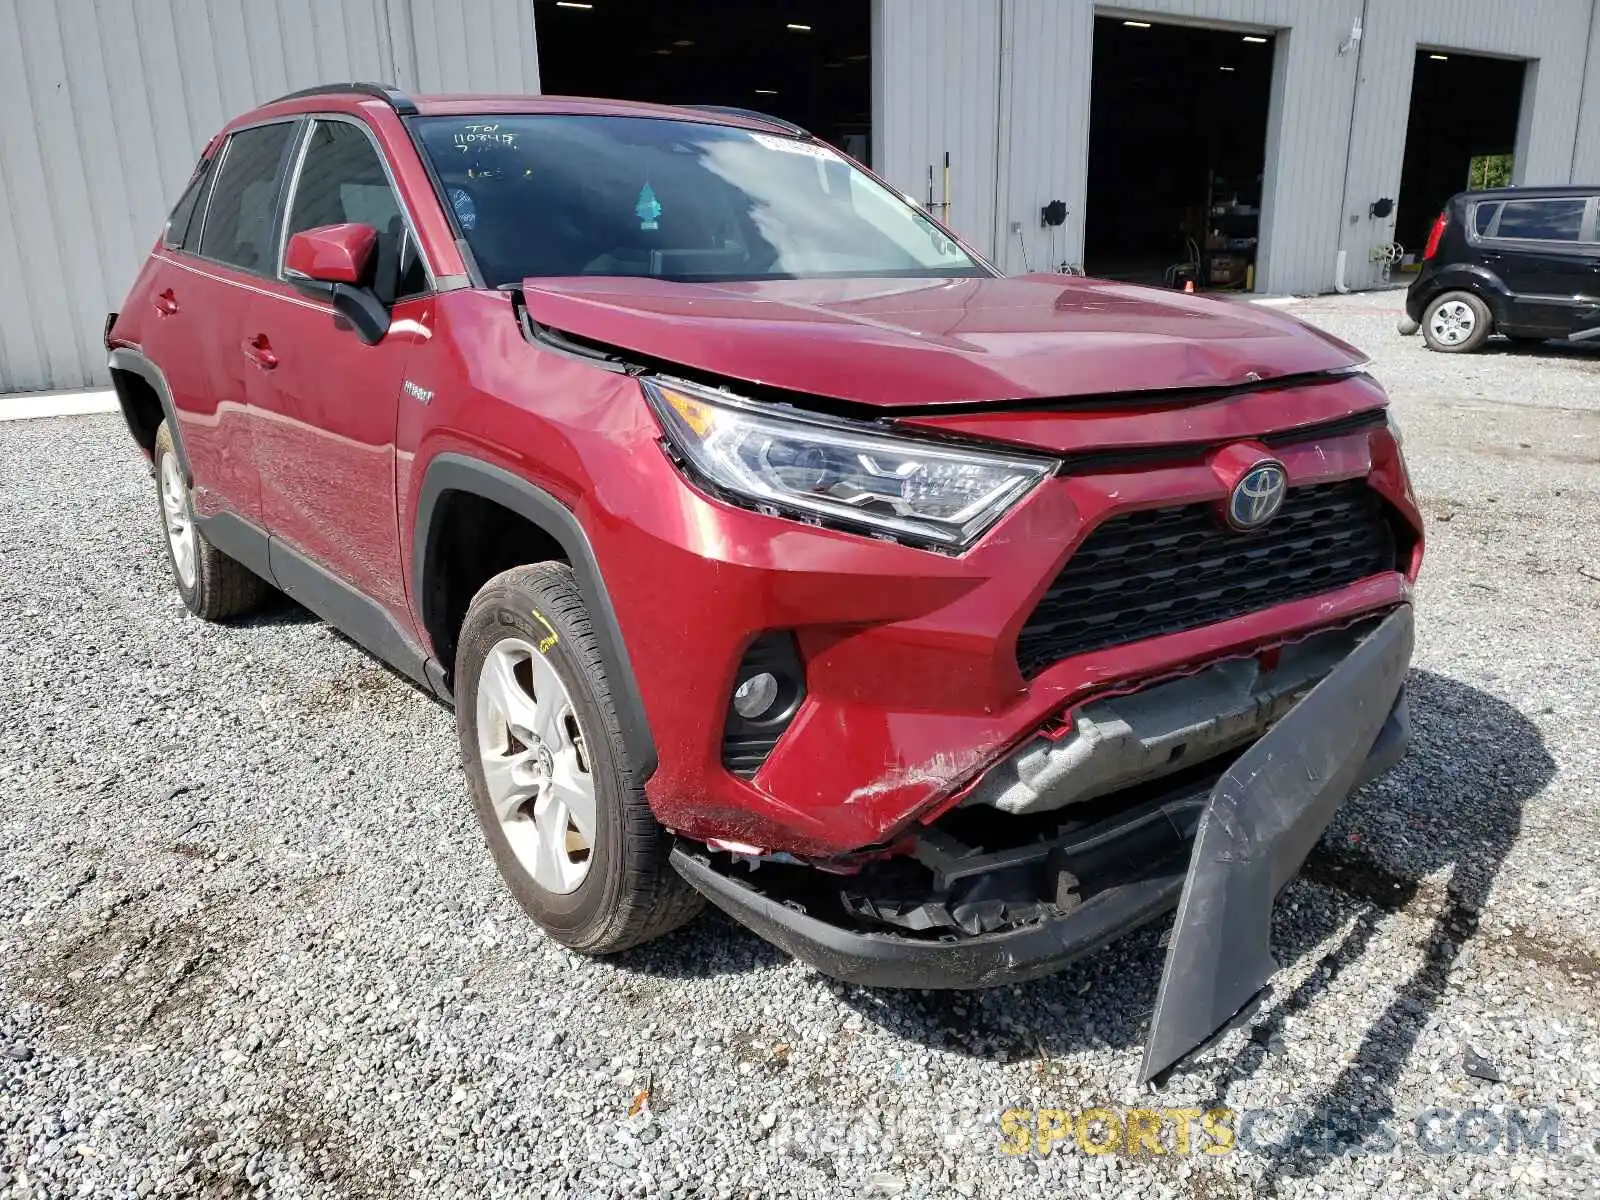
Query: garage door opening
(1461,134)
(808,61)
(1177,150)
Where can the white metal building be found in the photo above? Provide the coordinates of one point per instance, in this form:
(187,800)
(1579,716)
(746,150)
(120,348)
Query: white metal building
(107,102)
(1005,85)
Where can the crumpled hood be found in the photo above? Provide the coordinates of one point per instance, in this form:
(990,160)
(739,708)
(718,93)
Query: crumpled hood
(913,342)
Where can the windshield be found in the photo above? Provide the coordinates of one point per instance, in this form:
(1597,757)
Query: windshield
(586,195)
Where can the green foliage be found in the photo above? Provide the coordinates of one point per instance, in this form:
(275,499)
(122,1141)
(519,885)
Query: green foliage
(1489,171)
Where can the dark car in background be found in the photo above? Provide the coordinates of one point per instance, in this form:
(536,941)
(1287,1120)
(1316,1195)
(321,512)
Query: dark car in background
(1522,262)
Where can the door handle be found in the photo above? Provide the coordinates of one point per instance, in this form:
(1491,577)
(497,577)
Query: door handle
(166,303)
(259,351)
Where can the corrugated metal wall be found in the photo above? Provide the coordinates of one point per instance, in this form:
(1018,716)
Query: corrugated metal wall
(1046,108)
(948,65)
(936,70)
(108,102)
(1586,153)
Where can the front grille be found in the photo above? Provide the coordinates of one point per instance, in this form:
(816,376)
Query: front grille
(1169,569)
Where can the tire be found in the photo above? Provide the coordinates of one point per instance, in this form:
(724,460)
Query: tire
(1457,323)
(533,707)
(213,586)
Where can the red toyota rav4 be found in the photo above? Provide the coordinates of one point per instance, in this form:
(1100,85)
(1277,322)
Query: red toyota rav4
(771,546)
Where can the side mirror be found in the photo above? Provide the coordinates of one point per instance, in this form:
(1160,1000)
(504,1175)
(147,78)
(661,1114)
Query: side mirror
(337,260)
(331,254)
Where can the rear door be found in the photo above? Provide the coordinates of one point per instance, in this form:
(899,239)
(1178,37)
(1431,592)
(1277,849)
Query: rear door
(207,278)
(165,327)
(324,403)
(1538,249)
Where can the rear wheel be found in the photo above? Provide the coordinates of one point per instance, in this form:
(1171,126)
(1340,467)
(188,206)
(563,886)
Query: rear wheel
(561,803)
(212,585)
(1457,323)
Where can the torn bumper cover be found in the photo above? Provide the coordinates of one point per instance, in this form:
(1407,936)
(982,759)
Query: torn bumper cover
(1249,837)
(1136,737)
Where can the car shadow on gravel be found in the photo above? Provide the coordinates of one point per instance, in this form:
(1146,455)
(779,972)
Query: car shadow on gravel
(277,610)
(1455,802)
(1584,352)
(711,945)
(1458,799)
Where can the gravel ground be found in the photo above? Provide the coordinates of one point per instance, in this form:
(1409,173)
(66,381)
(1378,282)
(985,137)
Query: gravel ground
(251,944)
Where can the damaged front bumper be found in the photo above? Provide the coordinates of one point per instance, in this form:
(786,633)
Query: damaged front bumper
(1218,845)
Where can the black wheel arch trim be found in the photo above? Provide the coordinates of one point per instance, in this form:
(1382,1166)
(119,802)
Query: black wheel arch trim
(125,358)
(451,472)
(1479,281)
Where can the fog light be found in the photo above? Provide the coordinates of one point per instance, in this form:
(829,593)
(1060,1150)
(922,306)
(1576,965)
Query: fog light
(755,695)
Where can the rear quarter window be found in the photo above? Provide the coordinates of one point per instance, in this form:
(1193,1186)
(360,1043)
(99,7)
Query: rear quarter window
(1542,220)
(177,233)
(1483,218)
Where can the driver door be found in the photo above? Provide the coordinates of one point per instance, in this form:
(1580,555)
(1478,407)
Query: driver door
(324,403)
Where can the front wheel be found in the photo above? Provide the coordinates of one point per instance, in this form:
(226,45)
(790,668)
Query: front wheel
(560,801)
(1457,323)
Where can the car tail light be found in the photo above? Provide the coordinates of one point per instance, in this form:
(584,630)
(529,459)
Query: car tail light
(1435,234)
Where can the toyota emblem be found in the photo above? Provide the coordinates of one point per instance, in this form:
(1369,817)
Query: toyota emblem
(1258,495)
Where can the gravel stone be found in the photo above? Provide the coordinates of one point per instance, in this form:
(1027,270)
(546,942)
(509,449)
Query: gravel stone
(251,942)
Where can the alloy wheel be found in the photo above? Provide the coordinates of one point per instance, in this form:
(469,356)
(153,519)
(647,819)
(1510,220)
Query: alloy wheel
(536,765)
(179,520)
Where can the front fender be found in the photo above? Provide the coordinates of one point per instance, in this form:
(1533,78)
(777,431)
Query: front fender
(453,472)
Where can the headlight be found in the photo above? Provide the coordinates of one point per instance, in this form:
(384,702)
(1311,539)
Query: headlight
(1394,427)
(834,470)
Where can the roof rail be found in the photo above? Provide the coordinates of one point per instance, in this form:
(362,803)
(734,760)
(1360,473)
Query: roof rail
(729,110)
(394,97)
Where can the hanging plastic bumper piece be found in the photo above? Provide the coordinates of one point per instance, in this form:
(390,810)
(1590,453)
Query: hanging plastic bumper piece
(1263,818)
(1250,834)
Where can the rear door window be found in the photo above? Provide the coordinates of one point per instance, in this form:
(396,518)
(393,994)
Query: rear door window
(1542,220)
(238,218)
